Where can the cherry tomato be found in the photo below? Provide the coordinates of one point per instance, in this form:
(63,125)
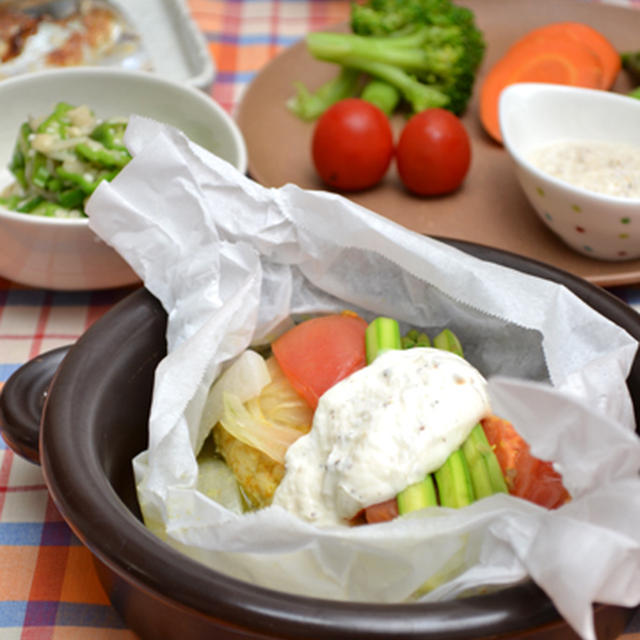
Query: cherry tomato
(352,145)
(433,153)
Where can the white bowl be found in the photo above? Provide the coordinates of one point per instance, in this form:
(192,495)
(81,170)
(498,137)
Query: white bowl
(533,115)
(64,254)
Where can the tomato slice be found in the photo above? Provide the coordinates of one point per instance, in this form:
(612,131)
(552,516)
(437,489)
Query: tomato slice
(527,477)
(317,353)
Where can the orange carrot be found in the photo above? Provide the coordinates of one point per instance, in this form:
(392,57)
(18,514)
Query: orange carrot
(554,59)
(607,54)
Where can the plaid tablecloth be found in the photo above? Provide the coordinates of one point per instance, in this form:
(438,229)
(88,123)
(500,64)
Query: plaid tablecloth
(48,586)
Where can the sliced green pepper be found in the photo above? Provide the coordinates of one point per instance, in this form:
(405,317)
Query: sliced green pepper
(56,123)
(21,177)
(110,133)
(71,198)
(11,202)
(21,154)
(40,174)
(48,209)
(101,155)
(28,204)
(88,185)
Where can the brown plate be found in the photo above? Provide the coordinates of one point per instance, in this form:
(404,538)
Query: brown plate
(490,208)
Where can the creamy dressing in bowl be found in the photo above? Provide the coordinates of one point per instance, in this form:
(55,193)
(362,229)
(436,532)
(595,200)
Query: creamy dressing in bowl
(610,168)
(381,429)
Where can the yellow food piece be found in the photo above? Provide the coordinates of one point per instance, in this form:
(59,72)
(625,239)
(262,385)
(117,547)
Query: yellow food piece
(257,474)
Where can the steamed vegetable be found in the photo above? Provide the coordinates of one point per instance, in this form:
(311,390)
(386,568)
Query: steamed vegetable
(253,435)
(257,431)
(493,458)
(486,475)
(381,335)
(261,407)
(247,376)
(418,496)
(464,477)
(454,482)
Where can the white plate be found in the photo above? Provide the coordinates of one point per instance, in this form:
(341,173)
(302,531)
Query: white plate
(160,35)
(177,48)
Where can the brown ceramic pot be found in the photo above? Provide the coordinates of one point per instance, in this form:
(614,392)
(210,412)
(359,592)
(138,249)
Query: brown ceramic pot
(95,422)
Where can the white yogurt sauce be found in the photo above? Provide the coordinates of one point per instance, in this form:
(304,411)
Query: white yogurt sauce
(379,430)
(603,167)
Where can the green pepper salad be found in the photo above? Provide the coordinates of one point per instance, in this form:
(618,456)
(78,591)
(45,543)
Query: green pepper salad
(60,159)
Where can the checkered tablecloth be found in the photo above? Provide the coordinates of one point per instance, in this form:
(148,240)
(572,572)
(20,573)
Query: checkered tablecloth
(48,586)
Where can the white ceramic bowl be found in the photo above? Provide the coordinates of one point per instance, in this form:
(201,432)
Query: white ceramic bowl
(64,254)
(533,115)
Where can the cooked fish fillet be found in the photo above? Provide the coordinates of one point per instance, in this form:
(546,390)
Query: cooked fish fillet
(258,474)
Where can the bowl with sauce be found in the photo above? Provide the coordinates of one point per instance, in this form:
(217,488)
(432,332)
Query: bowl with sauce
(43,246)
(577,158)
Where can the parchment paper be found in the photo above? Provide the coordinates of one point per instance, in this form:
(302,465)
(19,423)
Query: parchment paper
(233,263)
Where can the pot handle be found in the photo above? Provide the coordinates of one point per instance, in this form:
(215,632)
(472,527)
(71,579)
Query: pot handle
(22,402)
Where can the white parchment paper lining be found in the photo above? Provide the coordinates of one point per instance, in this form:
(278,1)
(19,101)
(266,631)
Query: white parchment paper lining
(232,262)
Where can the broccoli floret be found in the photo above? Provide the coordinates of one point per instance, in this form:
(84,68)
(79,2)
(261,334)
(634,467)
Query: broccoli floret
(427,50)
(434,65)
(308,106)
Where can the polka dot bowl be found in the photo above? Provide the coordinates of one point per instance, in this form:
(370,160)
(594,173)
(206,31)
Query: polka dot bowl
(533,115)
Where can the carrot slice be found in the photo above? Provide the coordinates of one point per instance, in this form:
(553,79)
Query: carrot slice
(554,59)
(605,51)
(526,476)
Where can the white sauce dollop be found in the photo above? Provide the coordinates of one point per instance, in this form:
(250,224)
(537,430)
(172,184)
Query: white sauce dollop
(379,430)
(603,167)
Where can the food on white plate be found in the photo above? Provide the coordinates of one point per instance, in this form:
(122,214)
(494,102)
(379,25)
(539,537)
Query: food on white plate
(610,168)
(344,423)
(59,160)
(48,35)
